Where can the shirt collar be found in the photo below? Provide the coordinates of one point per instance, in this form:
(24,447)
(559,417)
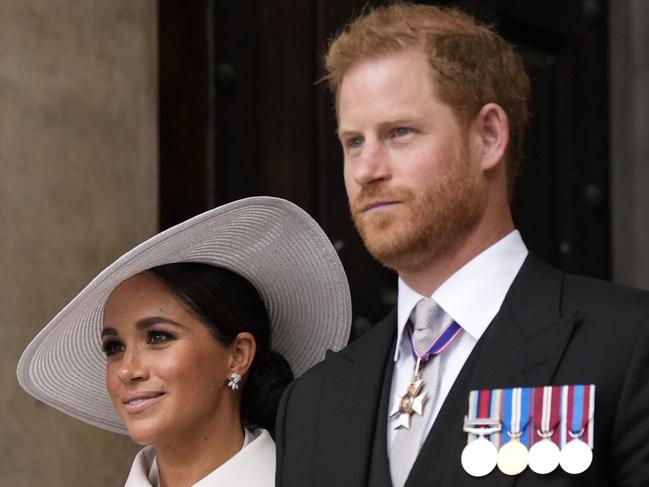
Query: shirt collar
(148,457)
(474,294)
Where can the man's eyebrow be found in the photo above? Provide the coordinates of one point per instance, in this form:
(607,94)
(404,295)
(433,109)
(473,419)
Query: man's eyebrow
(402,120)
(344,131)
(142,324)
(391,122)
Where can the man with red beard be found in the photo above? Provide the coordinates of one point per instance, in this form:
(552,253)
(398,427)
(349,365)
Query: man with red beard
(494,367)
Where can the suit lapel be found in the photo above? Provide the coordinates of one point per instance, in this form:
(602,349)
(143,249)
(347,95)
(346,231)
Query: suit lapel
(355,383)
(521,347)
(525,342)
(379,475)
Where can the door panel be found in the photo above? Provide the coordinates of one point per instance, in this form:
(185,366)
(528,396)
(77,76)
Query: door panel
(242,114)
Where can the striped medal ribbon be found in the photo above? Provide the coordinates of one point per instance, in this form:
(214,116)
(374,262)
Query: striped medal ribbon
(555,422)
(544,453)
(513,455)
(578,407)
(479,456)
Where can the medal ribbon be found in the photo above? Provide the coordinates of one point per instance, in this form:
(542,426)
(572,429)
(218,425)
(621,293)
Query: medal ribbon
(525,409)
(474,400)
(591,416)
(516,413)
(441,342)
(547,402)
(485,404)
(496,407)
(580,405)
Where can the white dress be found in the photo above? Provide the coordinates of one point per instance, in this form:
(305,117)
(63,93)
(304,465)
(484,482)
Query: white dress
(252,466)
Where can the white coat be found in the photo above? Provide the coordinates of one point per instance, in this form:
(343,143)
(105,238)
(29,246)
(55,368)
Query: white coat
(252,466)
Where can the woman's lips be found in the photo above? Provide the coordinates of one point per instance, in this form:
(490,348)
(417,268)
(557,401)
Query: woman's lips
(136,403)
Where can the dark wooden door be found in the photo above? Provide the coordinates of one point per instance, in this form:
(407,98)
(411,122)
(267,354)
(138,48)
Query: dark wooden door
(562,203)
(242,114)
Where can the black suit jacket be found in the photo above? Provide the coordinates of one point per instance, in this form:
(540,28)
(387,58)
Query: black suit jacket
(552,329)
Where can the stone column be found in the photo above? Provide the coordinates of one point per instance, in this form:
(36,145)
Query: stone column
(78,186)
(629,51)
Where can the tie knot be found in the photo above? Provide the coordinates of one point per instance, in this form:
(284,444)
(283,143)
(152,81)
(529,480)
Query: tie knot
(426,314)
(426,325)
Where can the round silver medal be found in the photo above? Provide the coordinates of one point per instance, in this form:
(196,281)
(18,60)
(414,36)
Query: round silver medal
(512,457)
(575,457)
(544,456)
(479,457)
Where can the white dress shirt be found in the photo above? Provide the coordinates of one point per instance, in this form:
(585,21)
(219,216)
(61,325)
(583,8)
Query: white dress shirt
(472,297)
(252,466)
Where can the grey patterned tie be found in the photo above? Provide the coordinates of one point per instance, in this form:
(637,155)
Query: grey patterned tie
(406,444)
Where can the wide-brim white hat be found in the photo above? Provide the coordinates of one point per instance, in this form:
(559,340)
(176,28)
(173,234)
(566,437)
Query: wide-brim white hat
(271,242)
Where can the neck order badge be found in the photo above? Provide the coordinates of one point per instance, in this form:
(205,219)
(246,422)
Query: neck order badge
(413,401)
(555,423)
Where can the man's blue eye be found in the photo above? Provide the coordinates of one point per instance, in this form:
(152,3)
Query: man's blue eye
(355,143)
(401,132)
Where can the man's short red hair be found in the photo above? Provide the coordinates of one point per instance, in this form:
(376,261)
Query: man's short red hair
(471,64)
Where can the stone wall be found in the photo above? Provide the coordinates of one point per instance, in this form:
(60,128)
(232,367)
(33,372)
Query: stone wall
(78,186)
(629,51)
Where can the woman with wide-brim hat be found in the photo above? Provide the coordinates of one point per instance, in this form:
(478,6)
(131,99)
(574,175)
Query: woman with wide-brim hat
(187,341)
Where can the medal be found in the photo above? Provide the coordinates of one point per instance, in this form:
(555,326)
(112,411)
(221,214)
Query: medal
(413,401)
(577,454)
(555,422)
(479,457)
(513,455)
(544,454)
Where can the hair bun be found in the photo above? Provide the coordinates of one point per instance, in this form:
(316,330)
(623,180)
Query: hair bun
(267,379)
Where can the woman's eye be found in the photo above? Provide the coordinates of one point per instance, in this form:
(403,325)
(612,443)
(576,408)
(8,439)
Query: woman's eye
(112,347)
(156,337)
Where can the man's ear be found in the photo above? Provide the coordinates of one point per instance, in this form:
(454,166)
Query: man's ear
(242,352)
(491,127)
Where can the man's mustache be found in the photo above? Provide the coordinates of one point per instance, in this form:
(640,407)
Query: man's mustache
(371,196)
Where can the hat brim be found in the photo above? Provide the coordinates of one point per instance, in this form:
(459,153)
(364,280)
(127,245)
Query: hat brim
(271,242)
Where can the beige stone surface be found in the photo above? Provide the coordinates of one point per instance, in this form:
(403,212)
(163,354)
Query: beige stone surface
(629,76)
(78,186)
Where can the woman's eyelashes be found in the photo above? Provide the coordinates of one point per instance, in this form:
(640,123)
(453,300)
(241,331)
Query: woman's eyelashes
(113,347)
(158,337)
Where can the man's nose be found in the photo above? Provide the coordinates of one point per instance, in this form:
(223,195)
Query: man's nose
(372,164)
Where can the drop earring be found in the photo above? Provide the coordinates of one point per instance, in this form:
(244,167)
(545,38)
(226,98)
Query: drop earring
(235,378)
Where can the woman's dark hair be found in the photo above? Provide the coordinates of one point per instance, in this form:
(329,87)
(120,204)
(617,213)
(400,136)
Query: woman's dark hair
(228,304)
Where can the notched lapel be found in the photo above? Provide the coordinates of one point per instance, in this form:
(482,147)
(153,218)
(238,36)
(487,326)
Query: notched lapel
(524,344)
(356,375)
(513,358)
(544,351)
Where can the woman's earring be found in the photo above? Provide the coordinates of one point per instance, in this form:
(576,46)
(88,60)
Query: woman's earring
(235,378)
